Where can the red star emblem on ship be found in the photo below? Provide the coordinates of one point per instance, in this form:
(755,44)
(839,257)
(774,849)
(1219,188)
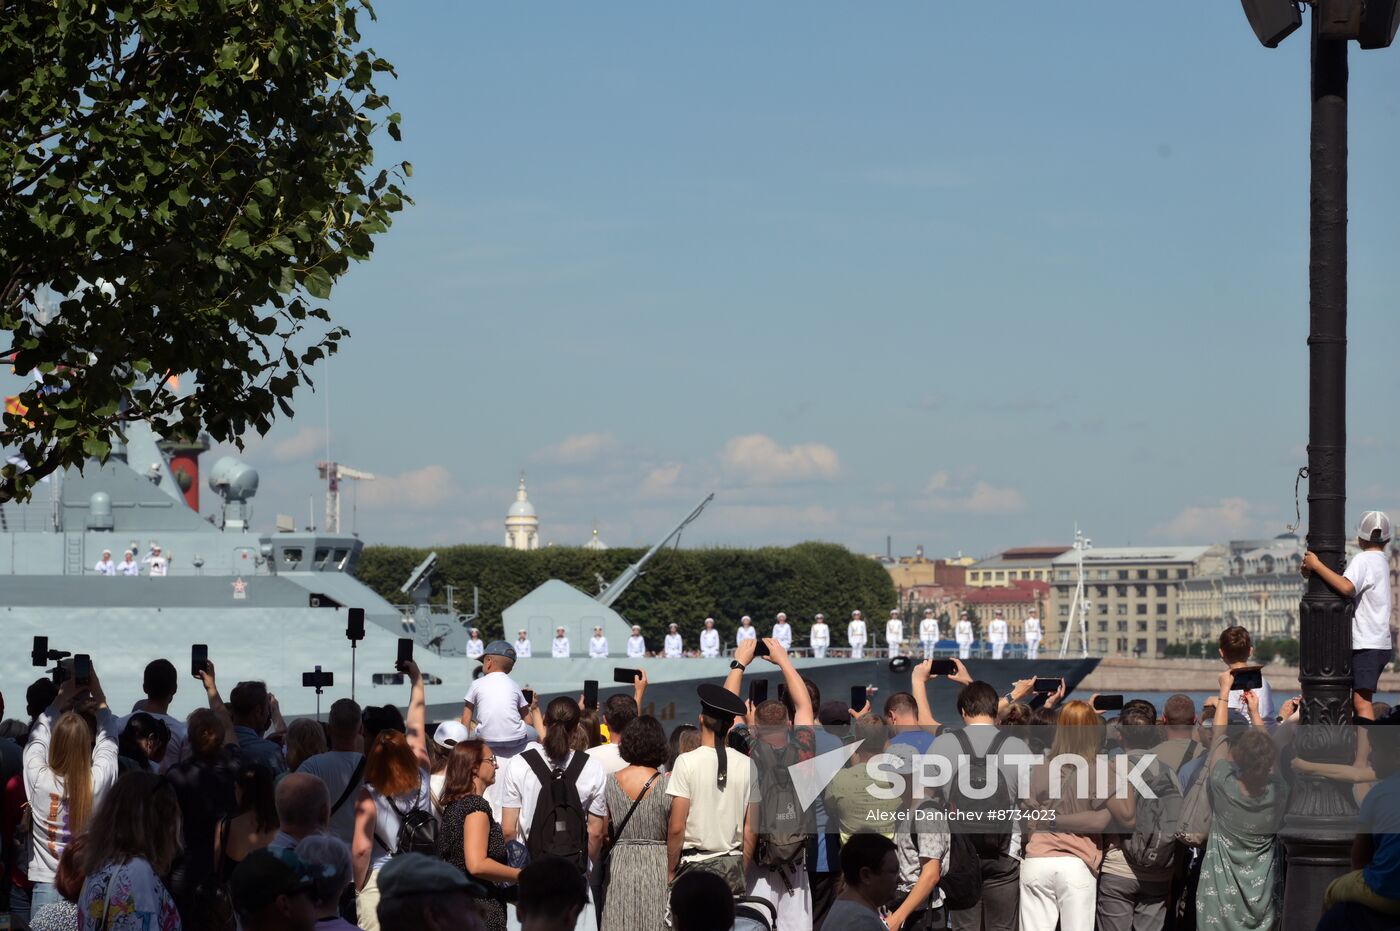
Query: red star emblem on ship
(239,587)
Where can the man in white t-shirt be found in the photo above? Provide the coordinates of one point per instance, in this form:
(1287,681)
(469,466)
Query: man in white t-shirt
(160,683)
(636,644)
(819,636)
(342,767)
(928,633)
(475,645)
(855,635)
(709,640)
(1366,582)
(746,630)
(714,795)
(496,705)
(522,646)
(105,566)
(998,632)
(521,793)
(598,645)
(782,631)
(559,646)
(674,645)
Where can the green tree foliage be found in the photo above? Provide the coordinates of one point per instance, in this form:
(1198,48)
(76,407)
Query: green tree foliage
(678,586)
(189,178)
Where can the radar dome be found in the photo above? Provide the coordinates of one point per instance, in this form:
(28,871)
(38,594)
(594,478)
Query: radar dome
(233,479)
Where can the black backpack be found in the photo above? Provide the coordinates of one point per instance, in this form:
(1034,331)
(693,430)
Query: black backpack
(961,882)
(783,831)
(989,844)
(418,830)
(559,827)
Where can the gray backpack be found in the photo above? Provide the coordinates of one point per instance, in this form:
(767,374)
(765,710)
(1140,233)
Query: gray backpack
(1152,845)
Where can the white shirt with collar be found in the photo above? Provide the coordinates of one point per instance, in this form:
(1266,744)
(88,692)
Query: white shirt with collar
(964,632)
(522,648)
(709,642)
(996,631)
(132,568)
(674,645)
(783,634)
(105,567)
(559,648)
(745,633)
(820,634)
(894,629)
(475,649)
(1032,627)
(598,648)
(636,646)
(928,629)
(855,631)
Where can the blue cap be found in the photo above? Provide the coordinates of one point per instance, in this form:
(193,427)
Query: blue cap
(500,648)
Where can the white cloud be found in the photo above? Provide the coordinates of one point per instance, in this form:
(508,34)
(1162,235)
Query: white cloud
(1229,518)
(418,489)
(577,449)
(947,494)
(661,479)
(306,444)
(760,459)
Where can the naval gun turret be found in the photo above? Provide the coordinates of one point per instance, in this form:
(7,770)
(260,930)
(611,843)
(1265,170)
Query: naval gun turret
(556,604)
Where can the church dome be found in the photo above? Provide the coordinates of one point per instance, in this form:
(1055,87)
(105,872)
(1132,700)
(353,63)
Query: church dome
(522,506)
(595,543)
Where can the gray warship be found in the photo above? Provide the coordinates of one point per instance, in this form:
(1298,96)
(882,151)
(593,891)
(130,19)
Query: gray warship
(274,605)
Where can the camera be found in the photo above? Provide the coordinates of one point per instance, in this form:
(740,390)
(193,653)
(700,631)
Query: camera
(317,680)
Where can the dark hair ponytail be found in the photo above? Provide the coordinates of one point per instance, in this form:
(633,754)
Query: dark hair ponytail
(561,718)
(719,725)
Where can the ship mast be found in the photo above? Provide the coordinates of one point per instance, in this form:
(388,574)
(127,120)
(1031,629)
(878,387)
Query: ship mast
(1079,605)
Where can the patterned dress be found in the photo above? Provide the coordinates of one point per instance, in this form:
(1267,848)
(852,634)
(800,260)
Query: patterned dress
(637,892)
(450,842)
(132,896)
(1241,885)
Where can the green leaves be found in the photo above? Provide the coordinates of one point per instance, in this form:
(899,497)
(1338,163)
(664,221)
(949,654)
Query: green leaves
(209,163)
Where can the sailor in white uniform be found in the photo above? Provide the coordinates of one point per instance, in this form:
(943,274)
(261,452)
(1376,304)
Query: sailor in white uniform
(129,565)
(820,636)
(598,645)
(522,646)
(963,634)
(709,640)
(996,633)
(782,631)
(559,646)
(746,630)
(105,566)
(928,633)
(1033,634)
(636,644)
(855,635)
(674,645)
(475,646)
(158,563)
(894,634)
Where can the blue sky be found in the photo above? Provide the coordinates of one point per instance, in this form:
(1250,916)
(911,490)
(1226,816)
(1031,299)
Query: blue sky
(864,270)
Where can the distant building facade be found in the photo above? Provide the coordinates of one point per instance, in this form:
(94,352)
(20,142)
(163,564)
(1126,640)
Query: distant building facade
(1014,602)
(1260,589)
(522,523)
(911,572)
(1134,596)
(1020,564)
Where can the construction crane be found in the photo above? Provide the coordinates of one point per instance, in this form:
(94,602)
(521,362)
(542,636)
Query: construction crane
(333,472)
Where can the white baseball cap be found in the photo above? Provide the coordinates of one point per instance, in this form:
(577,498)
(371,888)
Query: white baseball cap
(450,733)
(1374,527)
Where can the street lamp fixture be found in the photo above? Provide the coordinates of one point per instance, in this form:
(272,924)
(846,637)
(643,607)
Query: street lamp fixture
(1319,825)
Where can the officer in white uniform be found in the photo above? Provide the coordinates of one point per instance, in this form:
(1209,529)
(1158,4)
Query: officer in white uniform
(996,633)
(709,640)
(746,630)
(522,646)
(636,644)
(598,646)
(559,647)
(855,635)
(963,634)
(782,631)
(105,566)
(674,646)
(894,634)
(820,636)
(129,565)
(928,633)
(158,563)
(475,646)
(1033,634)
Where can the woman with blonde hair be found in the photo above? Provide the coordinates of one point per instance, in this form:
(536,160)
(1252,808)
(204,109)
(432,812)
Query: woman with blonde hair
(305,739)
(1060,868)
(133,841)
(397,774)
(66,771)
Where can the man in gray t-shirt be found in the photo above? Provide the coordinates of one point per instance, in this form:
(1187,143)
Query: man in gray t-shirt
(342,767)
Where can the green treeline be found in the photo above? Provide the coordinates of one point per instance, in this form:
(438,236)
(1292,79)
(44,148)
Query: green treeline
(677,586)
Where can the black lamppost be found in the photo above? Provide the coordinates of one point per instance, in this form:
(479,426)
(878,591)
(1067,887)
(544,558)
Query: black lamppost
(1319,825)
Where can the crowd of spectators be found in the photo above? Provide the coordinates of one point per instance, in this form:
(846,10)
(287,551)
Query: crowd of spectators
(569,816)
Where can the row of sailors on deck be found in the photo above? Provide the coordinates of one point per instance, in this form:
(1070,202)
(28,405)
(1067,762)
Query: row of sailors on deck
(819,638)
(159,565)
